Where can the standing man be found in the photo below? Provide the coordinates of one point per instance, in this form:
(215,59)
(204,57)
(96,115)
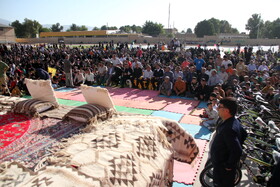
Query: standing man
(3,77)
(68,71)
(199,63)
(226,149)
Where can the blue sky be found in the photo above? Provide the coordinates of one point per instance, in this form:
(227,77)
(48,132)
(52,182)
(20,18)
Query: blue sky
(184,13)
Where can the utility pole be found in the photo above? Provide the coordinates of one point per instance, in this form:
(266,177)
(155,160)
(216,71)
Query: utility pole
(259,27)
(169,17)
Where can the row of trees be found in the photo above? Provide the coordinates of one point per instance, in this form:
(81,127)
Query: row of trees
(213,26)
(260,29)
(255,25)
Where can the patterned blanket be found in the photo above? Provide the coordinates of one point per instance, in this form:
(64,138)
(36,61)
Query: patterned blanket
(7,103)
(126,150)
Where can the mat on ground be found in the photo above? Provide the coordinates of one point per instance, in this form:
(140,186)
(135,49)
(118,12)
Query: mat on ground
(169,115)
(190,119)
(176,184)
(186,173)
(198,132)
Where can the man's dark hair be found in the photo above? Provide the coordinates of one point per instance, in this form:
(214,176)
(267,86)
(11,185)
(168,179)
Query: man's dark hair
(231,104)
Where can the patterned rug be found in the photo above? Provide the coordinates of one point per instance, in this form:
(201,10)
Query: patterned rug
(12,128)
(34,144)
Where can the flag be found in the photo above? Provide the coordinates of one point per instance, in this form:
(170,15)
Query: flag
(52,71)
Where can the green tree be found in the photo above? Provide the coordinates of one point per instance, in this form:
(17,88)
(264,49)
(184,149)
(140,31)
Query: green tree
(276,28)
(254,25)
(225,27)
(189,31)
(113,28)
(136,29)
(104,27)
(126,29)
(204,28)
(31,28)
(82,28)
(57,27)
(266,30)
(95,29)
(152,29)
(216,25)
(19,29)
(44,29)
(234,30)
(73,27)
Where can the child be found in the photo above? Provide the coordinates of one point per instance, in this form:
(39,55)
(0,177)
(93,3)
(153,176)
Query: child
(211,117)
(16,92)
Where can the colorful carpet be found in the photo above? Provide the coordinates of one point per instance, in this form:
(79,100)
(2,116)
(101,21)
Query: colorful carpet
(169,115)
(197,111)
(34,144)
(143,95)
(202,104)
(190,119)
(198,132)
(133,110)
(181,109)
(176,184)
(64,89)
(12,128)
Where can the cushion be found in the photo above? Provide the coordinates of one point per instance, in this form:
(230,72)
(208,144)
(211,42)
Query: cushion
(41,90)
(97,95)
(32,107)
(89,113)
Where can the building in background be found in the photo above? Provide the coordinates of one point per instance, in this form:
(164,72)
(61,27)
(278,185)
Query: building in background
(7,34)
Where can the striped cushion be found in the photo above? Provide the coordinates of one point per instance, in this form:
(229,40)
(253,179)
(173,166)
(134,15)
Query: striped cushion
(89,113)
(32,107)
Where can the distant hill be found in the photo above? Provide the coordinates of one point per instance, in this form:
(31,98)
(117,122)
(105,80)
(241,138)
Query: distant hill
(5,22)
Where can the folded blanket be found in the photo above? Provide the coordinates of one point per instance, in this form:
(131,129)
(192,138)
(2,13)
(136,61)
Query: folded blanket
(89,113)
(32,107)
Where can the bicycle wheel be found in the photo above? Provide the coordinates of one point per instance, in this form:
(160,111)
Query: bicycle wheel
(206,176)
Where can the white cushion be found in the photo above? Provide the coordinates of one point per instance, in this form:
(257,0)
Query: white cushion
(41,90)
(97,95)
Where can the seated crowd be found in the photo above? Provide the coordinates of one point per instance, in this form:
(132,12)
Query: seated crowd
(198,73)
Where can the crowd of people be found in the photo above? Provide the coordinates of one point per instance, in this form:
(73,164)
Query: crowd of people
(196,72)
(203,74)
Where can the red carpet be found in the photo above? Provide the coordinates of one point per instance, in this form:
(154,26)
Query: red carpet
(34,144)
(12,127)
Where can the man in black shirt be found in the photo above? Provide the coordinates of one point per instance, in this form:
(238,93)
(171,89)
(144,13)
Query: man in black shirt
(136,74)
(226,149)
(157,78)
